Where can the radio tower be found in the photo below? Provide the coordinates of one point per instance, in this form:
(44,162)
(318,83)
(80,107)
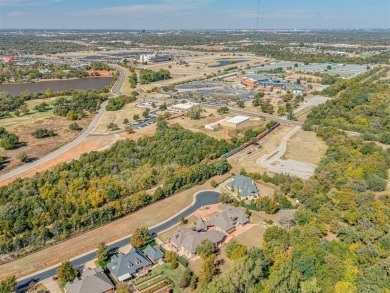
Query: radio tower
(258,13)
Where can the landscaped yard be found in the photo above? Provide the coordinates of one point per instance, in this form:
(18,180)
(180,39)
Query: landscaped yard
(160,273)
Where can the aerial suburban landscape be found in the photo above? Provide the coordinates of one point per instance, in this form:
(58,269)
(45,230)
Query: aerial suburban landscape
(194,146)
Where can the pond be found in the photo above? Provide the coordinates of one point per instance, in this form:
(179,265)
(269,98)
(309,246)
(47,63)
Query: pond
(89,83)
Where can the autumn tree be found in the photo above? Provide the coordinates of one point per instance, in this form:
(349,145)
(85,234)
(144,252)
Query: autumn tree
(141,236)
(122,288)
(8,285)
(208,269)
(66,272)
(102,252)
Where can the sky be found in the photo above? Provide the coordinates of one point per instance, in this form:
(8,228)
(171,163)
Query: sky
(193,14)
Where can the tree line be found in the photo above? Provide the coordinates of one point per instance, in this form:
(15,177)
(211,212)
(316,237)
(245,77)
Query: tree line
(100,187)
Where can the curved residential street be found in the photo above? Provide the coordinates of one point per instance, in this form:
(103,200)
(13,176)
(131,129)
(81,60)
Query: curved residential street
(201,198)
(115,90)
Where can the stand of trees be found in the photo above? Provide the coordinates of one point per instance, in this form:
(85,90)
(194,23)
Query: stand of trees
(362,108)
(345,200)
(102,186)
(119,102)
(149,76)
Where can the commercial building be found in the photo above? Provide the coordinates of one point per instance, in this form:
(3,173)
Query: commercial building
(181,108)
(154,58)
(235,122)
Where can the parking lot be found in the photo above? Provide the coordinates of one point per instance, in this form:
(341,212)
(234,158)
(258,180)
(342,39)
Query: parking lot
(143,123)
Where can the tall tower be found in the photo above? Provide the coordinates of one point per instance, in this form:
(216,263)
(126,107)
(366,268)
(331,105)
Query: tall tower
(258,14)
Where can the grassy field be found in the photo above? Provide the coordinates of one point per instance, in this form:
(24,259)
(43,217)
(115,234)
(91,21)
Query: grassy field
(32,117)
(305,146)
(24,126)
(117,117)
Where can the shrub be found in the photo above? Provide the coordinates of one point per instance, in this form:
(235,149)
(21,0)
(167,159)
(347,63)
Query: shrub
(43,132)
(74,126)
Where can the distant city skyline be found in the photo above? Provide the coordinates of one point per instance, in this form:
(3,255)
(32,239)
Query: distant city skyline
(194,14)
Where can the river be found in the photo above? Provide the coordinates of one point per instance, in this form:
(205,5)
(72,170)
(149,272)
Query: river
(88,83)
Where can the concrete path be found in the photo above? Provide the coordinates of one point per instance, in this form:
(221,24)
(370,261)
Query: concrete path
(274,163)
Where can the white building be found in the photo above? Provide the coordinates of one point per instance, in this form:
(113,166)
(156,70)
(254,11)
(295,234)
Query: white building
(235,122)
(153,58)
(212,126)
(181,108)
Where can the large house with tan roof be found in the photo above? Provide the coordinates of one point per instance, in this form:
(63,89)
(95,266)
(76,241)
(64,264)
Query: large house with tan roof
(213,229)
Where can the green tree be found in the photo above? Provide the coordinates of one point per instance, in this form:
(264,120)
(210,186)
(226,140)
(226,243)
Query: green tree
(126,121)
(146,113)
(185,279)
(102,252)
(223,110)
(42,107)
(240,104)
(195,113)
(135,117)
(214,183)
(205,249)
(9,141)
(74,127)
(66,272)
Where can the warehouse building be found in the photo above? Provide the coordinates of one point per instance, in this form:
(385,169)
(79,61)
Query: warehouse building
(235,122)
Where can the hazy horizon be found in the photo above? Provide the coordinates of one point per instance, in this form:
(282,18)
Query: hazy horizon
(194,15)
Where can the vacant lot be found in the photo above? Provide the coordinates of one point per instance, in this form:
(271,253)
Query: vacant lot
(211,116)
(91,143)
(35,148)
(248,162)
(306,147)
(117,117)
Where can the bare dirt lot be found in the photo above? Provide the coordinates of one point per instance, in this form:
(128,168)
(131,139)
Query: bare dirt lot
(242,160)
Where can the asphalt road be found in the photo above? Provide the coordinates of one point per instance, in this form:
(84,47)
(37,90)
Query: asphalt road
(115,90)
(203,198)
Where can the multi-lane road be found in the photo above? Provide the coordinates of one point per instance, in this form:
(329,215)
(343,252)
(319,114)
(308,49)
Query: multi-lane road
(202,198)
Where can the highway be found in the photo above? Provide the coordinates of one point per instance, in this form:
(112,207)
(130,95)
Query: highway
(115,90)
(202,198)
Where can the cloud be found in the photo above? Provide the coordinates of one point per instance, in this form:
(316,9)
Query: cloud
(17,13)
